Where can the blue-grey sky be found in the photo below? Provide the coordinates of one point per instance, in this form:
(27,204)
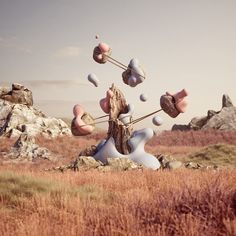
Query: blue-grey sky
(47,45)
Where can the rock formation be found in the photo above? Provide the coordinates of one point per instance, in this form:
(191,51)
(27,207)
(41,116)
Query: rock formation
(17,115)
(225,119)
(18,95)
(18,118)
(25,149)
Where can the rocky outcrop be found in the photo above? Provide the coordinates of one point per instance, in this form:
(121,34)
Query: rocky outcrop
(17,115)
(225,119)
(18,95)
(25,149)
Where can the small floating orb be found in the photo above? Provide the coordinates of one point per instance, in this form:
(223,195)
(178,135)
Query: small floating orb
(157,120)
(96,36)
(93,79)
(143,97)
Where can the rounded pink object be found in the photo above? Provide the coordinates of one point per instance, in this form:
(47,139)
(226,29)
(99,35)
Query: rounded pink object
(104,103)
(104,47)
(81,126)
(180,103)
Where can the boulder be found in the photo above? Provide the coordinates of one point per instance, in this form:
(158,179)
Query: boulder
(173,165)
(225,119)
(17,115)
(18,94)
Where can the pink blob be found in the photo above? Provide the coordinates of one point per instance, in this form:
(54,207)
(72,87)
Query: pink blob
(81,126)
(78,110)
(99,57)
(180,103)
(104,47)
(105,102)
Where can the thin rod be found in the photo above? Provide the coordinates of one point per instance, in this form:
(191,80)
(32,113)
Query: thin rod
(144,117)
(116,61)
(132,122)
(124,68)
(121,65)
(101,117)
(99,122)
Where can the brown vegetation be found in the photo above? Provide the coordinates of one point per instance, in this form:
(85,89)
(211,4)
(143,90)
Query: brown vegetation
(194,138)
(182,202)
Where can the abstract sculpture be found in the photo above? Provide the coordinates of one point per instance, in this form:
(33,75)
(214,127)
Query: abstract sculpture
(121,141)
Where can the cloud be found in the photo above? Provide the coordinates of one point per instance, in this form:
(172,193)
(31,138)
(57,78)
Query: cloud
(12,43)
(68,51)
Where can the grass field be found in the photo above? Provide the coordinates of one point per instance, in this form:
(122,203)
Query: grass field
(181,202)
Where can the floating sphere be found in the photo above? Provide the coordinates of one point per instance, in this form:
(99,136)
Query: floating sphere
(96,36)
(157,120)
(93,79)
(143,97)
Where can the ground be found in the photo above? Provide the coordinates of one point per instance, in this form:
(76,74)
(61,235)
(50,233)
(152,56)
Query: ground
(140,202)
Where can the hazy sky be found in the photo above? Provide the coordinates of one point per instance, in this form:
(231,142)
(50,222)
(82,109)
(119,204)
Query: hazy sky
(47,45)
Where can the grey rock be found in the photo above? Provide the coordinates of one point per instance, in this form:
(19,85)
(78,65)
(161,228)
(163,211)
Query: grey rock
(180,127)
(18,118)
(226,101)
(211,113)
(26,149)
(198,122)
(172,165)
(225,119)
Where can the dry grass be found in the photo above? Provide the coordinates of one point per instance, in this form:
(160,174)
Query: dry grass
(194,138)
(217,154)
(182,202)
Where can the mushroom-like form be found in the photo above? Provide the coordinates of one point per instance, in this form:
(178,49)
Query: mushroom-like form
(79,126)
